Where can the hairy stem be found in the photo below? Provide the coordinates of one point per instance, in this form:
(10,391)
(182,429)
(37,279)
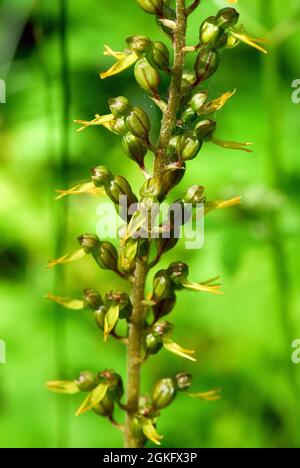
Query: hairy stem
(134,357)
(136,327)
(169,119)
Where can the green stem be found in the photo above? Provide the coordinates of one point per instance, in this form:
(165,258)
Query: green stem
(136,326)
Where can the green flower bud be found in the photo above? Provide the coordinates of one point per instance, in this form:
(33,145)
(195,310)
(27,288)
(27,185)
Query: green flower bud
(105,408)
(198,101)
(164,307)
(162,286)
(138,123)
(92,299)
(87,381)
(188,116)
(152,344)
(147,77)
(89,243)
(207,63)
(106,256)
(153,7)
(178,272)
(99,316)
(188,147)
(188,79)
(205,130)
(183,381)
(119,127)
(116,390)
(139,44)
(134,148)
(194,195)
(227,17)
(210,31)
(119,106)
(159,56)
(101,176)
(122,300)
(164,393)
(151,188)
(119,187)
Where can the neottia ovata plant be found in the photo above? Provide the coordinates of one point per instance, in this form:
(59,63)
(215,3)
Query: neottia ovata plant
(186,126)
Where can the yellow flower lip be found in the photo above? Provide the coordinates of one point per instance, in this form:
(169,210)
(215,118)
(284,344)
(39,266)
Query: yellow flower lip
(240,34)
(124,60)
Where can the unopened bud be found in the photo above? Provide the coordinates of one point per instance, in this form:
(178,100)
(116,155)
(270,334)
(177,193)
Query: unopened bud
(87,381)
(99,316)
(147,77)
(210,31)
(198,101)
(152,344)
(188,79)
(183,381)
(101,176)
(119,127)
(153,7)
(119,187)
(194,195)
(205,130)
(164,393)
(138,123)
(227,17)
(207,63)
(188,147)
(162,287)
(139,44)
(92,299)
(159,56)
(89,242)
(106,256)
(119,106)
(134,148)
(178,272)
(105,408)
(151,188)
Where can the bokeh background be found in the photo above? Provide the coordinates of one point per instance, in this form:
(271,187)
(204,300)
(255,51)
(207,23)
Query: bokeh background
(51,54)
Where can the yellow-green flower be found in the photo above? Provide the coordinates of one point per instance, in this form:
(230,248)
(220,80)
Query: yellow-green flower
(124,60)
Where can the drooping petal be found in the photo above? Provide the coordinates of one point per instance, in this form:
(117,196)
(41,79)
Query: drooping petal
(87,188)
(240,34)
(93,398)
(177,349)
(124,61)
(67,387)
(67,302)
(112,53)
(214,289)
(221,204)
(233,145)
(111,319)
(72,257)
(150,431)
(100,120)
(212,395)
(216,104)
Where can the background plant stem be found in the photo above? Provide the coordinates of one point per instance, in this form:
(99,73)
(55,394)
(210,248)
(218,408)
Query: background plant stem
(136,327)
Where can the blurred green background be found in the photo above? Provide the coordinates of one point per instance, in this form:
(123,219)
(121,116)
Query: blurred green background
(50,62)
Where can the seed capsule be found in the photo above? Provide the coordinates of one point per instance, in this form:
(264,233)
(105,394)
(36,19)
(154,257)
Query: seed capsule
(163,393)
(207,63)
(105,408)
(159,56)
(227,17)
(194,195)
(147,77)
(99,316)
(164,307)
(119,106)
(198,101)
(153,7)
(87,381)
(139,44)
(138,123)
(134,148)
(119,187)
(178,272)
(205,130)
(106,256)
(101,176)
(152,344)
(188,147)
(210,31)
(162,287)
(183,381)
(89,242)
(92,299)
